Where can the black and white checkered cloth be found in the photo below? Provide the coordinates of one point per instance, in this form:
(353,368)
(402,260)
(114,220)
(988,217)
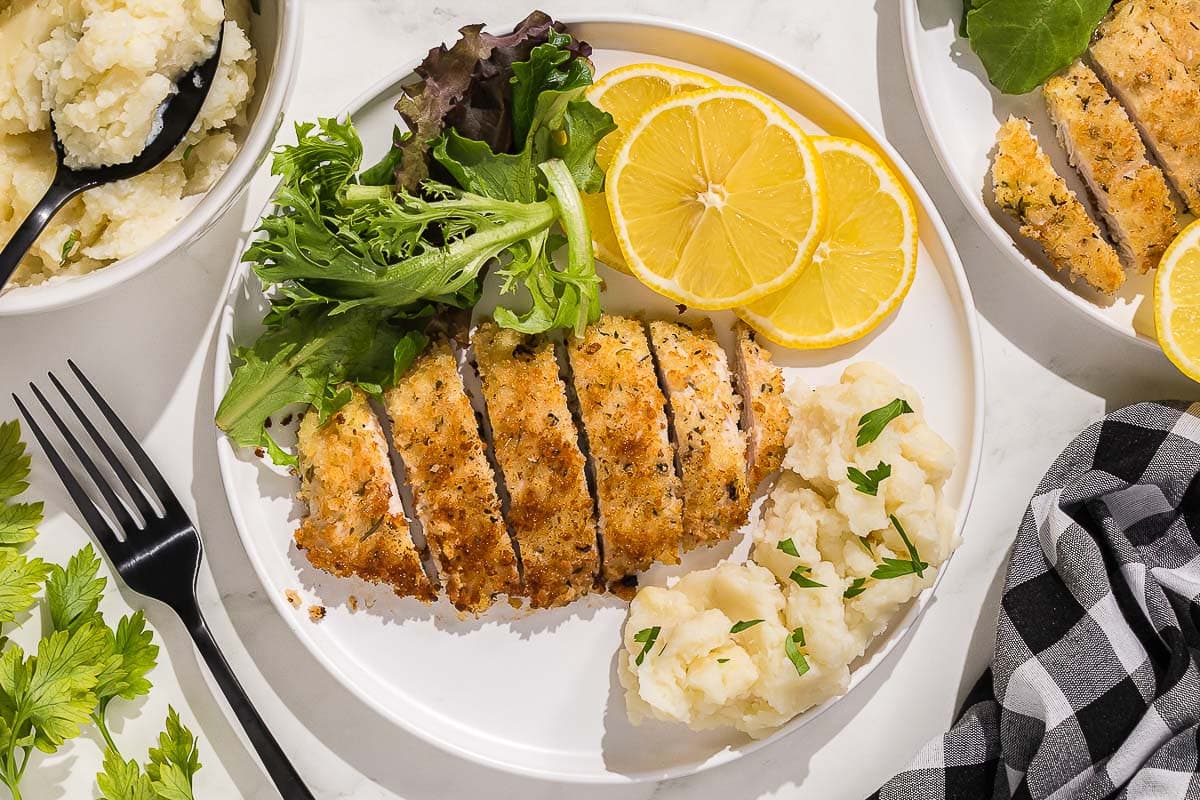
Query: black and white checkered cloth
(1094,688)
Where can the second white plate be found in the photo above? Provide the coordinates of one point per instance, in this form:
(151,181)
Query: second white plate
(962,112)
(537,693)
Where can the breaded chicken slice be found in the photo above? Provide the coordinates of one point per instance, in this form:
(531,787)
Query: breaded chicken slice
(1157,91)
(765,415)
(705,412)
(1027,187)
(1105,147)
(437,437)
(355,523)
(629,449)
(1178,23)
(550,509)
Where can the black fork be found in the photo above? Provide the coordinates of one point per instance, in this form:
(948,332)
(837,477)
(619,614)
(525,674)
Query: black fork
(157,555)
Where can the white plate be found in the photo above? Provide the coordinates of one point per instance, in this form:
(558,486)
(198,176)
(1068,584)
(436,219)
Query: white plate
(537,693)
(961,112)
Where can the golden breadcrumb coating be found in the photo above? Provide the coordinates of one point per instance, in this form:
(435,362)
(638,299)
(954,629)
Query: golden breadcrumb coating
(765,415)
(625,424)
(1027,187)
(355,523)
(437,437)
(550,509)
(704,414)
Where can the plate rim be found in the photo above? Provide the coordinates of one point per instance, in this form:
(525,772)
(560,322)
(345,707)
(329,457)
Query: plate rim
(910,30)
(902,627)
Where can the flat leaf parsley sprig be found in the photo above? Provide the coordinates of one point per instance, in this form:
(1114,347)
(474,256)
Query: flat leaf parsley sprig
(80,666)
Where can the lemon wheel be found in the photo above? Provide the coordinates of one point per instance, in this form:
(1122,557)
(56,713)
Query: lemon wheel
(1177,301)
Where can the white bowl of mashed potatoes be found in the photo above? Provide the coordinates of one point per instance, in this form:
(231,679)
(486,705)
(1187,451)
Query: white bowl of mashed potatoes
(102,68)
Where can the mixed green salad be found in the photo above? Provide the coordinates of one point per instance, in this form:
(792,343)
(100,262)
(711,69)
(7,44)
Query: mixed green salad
(1023,42)
(500,144)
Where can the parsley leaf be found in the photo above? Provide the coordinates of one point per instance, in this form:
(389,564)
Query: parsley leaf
(647,637)
(800,579)
(722,660)
(856,587)
(868,482)
(865,543)
(19,521)
(14,461)
(67,247)
(912,550)
(897,568)
(871,424)
(745,624)
(73,594)
(791,646)
(175,761)
(123,780)
(788,546)
(20,579)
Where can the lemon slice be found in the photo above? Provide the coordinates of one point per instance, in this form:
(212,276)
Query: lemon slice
(626,93)
(1177,301)
(862,268)
(716,197)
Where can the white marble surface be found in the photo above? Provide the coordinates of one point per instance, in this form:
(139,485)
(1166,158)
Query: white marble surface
(1049,374)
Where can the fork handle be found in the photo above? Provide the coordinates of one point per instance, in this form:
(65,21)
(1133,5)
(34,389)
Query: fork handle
(284,775)
(60,191)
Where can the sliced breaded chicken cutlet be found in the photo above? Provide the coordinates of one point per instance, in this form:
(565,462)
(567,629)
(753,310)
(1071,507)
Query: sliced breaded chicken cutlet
(629,449)
(454,489)
(1157,91)
(1027,187)
(1178,23)
(765,415)
(550,509)
(705,413)
(1105,147)
(355,523)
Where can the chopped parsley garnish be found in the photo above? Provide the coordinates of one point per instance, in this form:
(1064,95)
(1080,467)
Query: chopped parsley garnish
(788,546)
(68,246)
(722,660)
(868,482)
(738,627)
(791,646)
(912,550)
(802,580)
(187,151)
(873,422)
(646,637)
(857,587)
(865,544)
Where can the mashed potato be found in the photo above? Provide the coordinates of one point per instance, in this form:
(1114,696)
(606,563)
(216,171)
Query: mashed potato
(819,527)
(102,67)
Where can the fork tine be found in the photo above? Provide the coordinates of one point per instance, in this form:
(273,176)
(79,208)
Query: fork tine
(136,493)
(124,520)
(166,497)
(91,514)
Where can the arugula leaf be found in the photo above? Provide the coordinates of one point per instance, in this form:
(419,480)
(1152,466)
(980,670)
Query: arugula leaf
(20,579)
(551,67)
(19,521)
(175,762)
(791,646)
(788,546)
(800,579)
(123,780)
(871,424)
(646,637)
(745,624)
(14,461)
(73,594)
(868,482)
(1023,42)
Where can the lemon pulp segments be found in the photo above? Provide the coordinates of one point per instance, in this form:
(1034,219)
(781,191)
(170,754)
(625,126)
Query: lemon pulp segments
(1177,301)
(716,197)
(864,265)
(626,93)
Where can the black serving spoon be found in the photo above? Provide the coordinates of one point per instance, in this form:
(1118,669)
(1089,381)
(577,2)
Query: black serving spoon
(178,113)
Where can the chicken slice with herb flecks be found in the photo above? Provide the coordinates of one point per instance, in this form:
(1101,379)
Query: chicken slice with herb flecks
(1178,23)
(629,449)
(1027,187)
(454,489)
(550,509)
(765,414)
(355,523)
(1157,91)
(705,412)
(1105,147)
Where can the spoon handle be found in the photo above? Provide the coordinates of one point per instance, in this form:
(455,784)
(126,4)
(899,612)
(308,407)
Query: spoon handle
(56,196)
